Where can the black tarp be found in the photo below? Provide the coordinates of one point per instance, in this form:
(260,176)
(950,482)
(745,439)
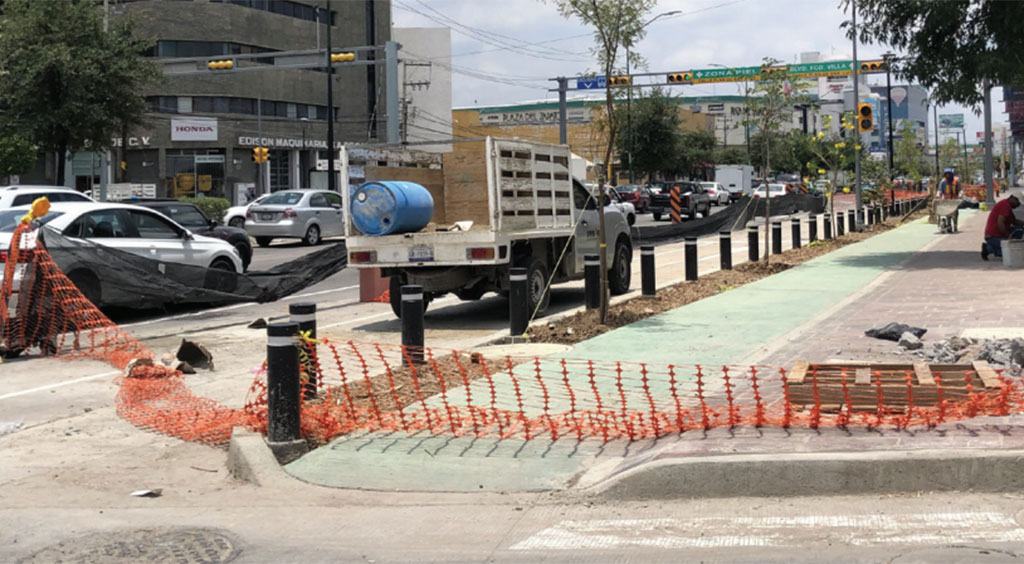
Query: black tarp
(734,217)
(130,280)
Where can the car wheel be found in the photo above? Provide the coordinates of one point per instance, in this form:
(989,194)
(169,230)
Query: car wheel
(244,253)
(87,284)
(264,241)
(540,293)
(395,284)
(312,236)
(631,219)
(238,222)
(657,216)
(621,272)
(220,276)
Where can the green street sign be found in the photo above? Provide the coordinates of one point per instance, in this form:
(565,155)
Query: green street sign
(702,76)
(831,68)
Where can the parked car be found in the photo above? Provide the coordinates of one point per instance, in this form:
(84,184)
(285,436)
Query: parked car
(627,209)
(773,190)
(718,194)
(132,229)
(637,195)
(309,215)
(235,215)
(695,200)
(190,216)
(23,195)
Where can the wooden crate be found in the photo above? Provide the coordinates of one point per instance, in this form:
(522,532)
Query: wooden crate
(862,384)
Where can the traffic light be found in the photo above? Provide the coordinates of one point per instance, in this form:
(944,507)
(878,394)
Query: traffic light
(260,155)
(343,57)
(227,64)
(770,70)
(620,80)
(677,77)
(873,66)
(865,117)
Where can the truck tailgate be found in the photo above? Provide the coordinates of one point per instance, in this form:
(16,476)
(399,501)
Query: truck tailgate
(442,248)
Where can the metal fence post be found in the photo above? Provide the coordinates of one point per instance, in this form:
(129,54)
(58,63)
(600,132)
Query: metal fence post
(412,324)
(647,272)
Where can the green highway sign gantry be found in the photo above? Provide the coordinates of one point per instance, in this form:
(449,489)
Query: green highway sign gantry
(737,74)
(833,68)
(702,76)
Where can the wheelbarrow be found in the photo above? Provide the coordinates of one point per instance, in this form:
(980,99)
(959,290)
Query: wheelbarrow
(947,212)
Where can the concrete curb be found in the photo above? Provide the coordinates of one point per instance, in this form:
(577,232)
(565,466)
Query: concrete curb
(251,460)
(808,474)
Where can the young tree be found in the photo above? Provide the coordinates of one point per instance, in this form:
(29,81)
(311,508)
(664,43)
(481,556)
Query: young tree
(66,84)
(693,149)
(655,125)
(770,105)
(17,156)
(950,46)
(908,153)
(732,156)
(618,25)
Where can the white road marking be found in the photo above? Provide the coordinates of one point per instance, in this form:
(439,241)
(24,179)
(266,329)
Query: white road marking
(743,532)
(58,385)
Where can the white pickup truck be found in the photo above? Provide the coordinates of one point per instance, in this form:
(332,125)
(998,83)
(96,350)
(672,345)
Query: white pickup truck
(501,204)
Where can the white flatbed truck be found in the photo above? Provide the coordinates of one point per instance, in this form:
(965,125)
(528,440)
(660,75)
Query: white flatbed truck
(502,204)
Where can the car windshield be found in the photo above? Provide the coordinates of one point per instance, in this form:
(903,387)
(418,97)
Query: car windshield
(627,188)
(777,187)
(283,199)
(184,215)
(9,219)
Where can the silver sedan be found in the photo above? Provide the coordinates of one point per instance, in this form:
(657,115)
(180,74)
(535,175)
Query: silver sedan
(309,215)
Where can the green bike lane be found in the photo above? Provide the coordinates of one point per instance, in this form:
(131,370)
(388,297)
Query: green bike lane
(721,330)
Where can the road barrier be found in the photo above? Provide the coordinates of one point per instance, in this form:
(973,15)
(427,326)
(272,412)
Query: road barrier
(794,230)
(283,382)
(827,226)
(412,322)
(753,253)
(776,237)
(647,271)
(812,228)
(592,281)
(518,301)
(840,220)
(725,250)
(691,258)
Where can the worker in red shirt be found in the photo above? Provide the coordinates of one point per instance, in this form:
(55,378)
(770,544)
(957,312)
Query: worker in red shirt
(1000,227)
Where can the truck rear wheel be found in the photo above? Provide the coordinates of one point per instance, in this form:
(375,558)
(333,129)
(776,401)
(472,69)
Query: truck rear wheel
(395,296)
(540,294)
(621,273)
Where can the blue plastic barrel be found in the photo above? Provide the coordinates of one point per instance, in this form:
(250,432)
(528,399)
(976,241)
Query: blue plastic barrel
(391,207)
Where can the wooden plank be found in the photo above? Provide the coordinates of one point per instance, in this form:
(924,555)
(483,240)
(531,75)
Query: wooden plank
(986,373)
(924,374)
(799,372)
(863,376)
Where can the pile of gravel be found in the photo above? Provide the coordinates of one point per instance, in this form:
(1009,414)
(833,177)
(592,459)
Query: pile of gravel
(1008,353)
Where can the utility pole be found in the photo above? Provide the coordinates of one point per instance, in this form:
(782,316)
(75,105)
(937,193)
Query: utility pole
(260,187)
(856,104)
(629,121)
(563,84)
(990,193)
(331,180)
(105,156)
(938,170)
(888,58)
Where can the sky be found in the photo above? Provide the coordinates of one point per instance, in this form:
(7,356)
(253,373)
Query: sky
(504,51)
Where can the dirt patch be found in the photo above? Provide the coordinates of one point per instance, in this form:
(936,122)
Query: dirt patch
(585,325)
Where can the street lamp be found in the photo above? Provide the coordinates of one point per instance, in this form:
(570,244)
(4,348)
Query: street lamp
(629,96)
(746,110)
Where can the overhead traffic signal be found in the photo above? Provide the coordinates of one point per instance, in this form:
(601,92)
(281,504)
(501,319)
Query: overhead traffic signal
(343,57)
(677,77)
(260,155)
(227,64)
(620,81)
(873,66)
(865,117)
(769,70)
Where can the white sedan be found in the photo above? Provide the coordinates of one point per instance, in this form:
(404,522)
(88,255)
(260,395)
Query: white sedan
(235,215)
(719,195)
(133,229)
(773,191)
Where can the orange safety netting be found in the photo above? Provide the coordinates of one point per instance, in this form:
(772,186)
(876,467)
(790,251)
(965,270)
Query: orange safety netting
(354,386)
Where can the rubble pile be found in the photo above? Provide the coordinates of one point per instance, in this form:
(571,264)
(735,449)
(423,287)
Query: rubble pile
(1008,353)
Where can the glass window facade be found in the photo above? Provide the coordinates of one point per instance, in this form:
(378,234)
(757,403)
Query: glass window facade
(233,105)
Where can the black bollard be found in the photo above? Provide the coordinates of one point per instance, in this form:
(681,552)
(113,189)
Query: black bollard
(840,221)
(592,281)
(412,324)
(776,237)
(305,315)
(518,301)
(794,228)
(828,226)
(878,214)
(691,259)
(851,221)
(812,228)
(725,249)
(283,382)
(647,278)
(752,251)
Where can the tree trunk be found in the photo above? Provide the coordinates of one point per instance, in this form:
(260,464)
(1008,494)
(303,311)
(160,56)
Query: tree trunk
(62,152)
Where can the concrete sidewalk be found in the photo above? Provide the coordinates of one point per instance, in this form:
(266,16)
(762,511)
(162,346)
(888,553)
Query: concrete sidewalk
(772,321)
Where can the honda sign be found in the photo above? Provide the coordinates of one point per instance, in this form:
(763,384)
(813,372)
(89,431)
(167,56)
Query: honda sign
(194,129)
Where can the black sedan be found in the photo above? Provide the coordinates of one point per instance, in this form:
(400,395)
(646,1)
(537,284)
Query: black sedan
(196,221)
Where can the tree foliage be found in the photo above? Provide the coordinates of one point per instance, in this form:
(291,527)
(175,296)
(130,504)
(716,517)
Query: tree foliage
(769,105)
(17,156)
(908,154)
(651,133)
(694,150)
(732,156)
(65,85)
(950,45)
